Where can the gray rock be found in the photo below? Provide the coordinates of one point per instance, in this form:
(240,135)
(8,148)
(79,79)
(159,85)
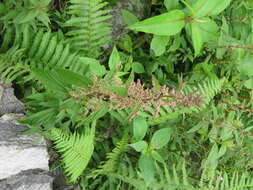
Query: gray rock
(19,152)
(60,181)
(28,180)
(8,102)
(139,8)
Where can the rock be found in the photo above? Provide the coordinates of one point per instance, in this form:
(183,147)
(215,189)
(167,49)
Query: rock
(23,160)
(60,181)
(139,8)
(8,102)
(28,180)
(19,152)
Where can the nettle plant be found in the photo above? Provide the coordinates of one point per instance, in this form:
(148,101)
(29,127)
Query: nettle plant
(182,135)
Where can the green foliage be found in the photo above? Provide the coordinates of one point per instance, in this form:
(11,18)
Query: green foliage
(42,49)
(165,24)
(172,104)
(113,158)
(76,150)
(87,27)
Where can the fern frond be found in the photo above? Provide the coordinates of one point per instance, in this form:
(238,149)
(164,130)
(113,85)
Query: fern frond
(113,158)
(76,150)
(88,27)
(8,39)
(225,182)
(174,179)
(37,50)
(12,66)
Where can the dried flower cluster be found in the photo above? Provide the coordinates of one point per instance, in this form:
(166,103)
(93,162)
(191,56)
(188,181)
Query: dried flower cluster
(137,96)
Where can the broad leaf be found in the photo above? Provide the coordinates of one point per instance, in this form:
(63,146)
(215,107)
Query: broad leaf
(72,78)
(147,167)
(50,80)
(246,67)
(114,60)
(196,38)
(171,4)
(161,138)
(209,30)
(165,24)
(138,67)
(159,43)
(209,7)
(140,128)
(139,146)
(95,66)
(157,156)
(128,17)
(249,83)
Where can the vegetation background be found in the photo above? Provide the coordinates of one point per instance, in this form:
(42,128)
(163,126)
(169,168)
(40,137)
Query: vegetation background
(165,106)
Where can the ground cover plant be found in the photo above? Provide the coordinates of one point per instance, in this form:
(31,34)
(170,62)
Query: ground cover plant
(168,106)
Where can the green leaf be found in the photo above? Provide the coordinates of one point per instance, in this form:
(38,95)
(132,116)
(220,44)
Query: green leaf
(161,138)
(246,67)
(165,24)
(128,17)
(72,78)
(25,16)
(157,156)
(171,4)
(140,128)
(138,67)
(140,146)
(196,38)
(94,65)
(208,29)
(126,43)
(208,8)
(43,17)
(76,150)
(159,43)
(50,80)
(249,83)
(147,167)
(96,114)
(212,158)
(220,6)
(114,60)
(195,128)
